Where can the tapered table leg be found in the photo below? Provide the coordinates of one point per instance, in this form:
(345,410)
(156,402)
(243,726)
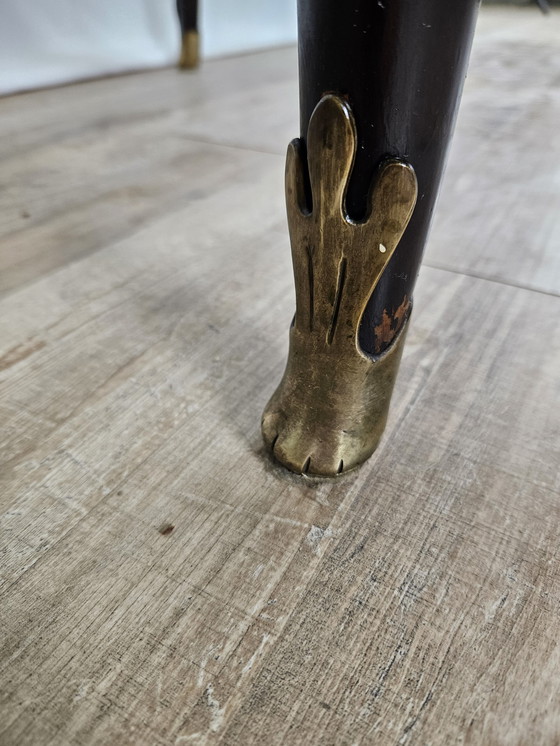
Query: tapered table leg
(188,19)
(380,84)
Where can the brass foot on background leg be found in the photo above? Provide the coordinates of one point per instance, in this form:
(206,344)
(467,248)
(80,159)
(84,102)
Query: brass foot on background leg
(188,59)
(330,408)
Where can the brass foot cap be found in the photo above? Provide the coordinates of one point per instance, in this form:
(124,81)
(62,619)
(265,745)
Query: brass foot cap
(189,57)
(328,415)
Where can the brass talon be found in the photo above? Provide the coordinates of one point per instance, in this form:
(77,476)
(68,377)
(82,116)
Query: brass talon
(329,411)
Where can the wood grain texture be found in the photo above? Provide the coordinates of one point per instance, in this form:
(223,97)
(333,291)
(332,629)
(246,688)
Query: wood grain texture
(162,581)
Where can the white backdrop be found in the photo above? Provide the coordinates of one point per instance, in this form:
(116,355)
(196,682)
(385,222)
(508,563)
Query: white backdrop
(44,42)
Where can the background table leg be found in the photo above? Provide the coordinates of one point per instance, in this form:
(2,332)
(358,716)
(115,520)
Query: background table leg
(188,18)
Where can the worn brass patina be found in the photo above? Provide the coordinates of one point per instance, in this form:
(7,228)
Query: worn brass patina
(330,409)
(189,50)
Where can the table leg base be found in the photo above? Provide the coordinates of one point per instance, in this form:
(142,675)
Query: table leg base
(329,412)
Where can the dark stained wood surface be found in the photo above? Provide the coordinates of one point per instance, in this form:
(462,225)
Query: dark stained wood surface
(401,66)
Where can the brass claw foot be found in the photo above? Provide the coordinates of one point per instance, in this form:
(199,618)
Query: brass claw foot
(329,411)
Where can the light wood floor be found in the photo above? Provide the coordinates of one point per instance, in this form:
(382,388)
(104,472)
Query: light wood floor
(161,581)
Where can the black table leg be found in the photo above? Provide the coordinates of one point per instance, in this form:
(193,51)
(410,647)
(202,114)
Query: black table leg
(380,84)
(188,19)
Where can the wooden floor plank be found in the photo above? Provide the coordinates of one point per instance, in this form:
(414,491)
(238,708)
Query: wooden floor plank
(79,216)
(235,101)
(161,580)
(453,526)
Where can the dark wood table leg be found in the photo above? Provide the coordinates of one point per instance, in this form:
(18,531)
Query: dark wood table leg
(188,19)
(380,84)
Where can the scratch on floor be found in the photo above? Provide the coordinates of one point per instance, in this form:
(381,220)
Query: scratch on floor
(216,712)
(315,537)
(249,665)
(83,690)
(196,738)
(288,521)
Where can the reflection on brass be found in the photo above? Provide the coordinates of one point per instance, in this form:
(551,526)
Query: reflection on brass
(189,51)
(330,409)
